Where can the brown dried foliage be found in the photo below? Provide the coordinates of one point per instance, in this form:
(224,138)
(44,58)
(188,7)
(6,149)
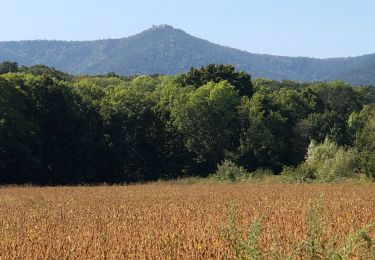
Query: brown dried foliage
(168,221)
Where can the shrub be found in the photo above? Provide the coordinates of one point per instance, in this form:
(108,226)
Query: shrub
(302,173)
(368,164)
(328,161)
(261,173)
(243,247)
(229,171)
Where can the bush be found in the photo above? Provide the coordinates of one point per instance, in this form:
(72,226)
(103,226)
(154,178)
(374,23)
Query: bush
(328,161)
(297,174)
(261,173)
(243,248)
(229,171)
(368,164)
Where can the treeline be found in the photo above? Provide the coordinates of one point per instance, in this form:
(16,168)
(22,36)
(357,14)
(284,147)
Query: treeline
(57,128)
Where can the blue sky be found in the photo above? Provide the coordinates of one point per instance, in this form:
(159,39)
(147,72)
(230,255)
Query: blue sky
(314,28)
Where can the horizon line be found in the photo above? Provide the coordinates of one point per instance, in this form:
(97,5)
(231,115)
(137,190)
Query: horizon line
(167,26)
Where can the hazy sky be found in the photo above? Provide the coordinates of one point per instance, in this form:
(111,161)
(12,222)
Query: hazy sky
(315,28)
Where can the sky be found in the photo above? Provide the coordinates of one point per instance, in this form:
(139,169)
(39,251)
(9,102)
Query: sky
(312,28)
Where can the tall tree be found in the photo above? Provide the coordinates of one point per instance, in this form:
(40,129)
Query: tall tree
(133,135)
(208,119)
(8,66)
(19,134)
(363,125)
(264,134)
(216,73)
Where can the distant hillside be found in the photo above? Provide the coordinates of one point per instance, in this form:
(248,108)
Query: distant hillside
(166,50)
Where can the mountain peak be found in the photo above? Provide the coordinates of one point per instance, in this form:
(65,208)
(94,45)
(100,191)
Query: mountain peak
(164,49)
(164,28)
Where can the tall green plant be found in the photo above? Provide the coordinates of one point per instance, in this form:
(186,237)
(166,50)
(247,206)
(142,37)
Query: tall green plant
(243,247)
(328,161)
(314,247)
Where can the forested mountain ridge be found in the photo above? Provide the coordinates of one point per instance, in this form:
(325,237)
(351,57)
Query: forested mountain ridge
(166,50)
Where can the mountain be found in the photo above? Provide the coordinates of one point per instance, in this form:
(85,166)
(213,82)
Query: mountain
(166,50)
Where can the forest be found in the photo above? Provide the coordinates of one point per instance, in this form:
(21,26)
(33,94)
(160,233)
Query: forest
(57,128)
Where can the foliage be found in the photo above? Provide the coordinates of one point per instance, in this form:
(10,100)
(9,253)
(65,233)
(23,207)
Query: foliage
(328,161)
(229,171)
(363,126)
(297,174)
(261,173)
(19,134)
(57,128)
(8,66)
(244,248)
(207,117)
(217,73)
(263,140)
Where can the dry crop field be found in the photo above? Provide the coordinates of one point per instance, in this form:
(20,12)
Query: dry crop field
(169,220)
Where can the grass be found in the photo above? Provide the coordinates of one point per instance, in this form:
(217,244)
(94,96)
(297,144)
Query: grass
(170,220)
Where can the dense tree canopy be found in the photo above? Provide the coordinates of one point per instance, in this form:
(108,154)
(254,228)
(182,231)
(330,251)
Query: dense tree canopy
(363,125)
(217,73)
(207,118)
(61,129)
(8,66)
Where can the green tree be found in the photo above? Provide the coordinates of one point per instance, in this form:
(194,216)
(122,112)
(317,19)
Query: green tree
(208,119)
(47,71)
(19,135)
(328,161)
(264,134)
(65,140)
(330,124)
(337,96)
(133,135)
(363,125)
(333,104)
(178,160)
(216,73)
(8,66)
